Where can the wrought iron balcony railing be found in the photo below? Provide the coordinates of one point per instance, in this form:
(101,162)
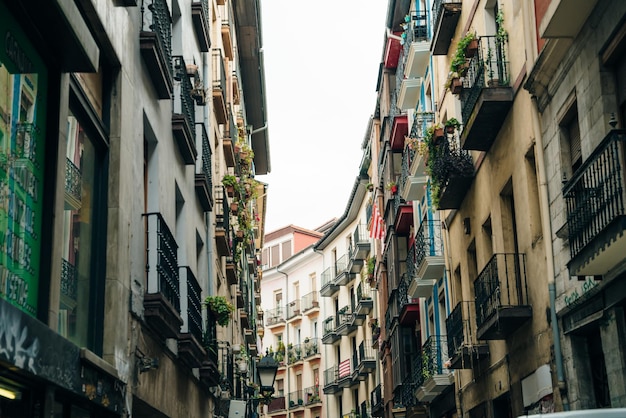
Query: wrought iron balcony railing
(435,355)
(376,400)
(162,260)
(312,395)
(184,103)
(595,198)
(194,306)
(296,399)
(428,241)
(294,353)
(69,282)
(155,17)
(488,68)
(331,375)
(501,283)
(73,182)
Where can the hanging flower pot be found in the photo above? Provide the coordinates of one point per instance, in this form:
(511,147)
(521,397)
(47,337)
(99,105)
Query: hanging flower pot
(438,133)
(456,86)
(472,48)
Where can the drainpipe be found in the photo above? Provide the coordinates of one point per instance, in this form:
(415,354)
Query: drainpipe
(547,234)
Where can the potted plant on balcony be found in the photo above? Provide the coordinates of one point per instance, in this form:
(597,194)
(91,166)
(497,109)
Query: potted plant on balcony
(451,125)
(392,186)
(221,308)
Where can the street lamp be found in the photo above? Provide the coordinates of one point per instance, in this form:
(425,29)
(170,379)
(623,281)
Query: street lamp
(267,368)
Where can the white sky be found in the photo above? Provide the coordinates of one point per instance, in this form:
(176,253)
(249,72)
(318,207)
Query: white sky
(321,67)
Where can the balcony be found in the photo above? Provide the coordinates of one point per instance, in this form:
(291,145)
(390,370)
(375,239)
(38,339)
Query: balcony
(69,284)
(275,317)
(203,181)
(218,86)
(200,20)
(341,272)
(277,404)
(223,236)
(436,377)
(293,311)
(330,335)
(376,401)
(426,263)
(310,303)
(564,19)
(231,271)
(487,96)
(162,299)
(331,377)
(452,173)
(367,359)
(409,94)
(209,370)
(184,113)
(311,349)
(596,215)
(344,374)
(464,350)
(418,53)
(359,249)
(364,300)
(409,306)
(502,297)
(73,176)
(227,35)
(190,340)
(329,288)
(392,51)
(446,14)
(344,322)
(229,138)
(403,219)
(312,397)
(414,186)
(399,130)
(296,400)
(155,41)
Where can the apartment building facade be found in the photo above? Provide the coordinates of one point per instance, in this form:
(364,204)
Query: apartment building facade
(292,321)
(577,82)
(117,226)
(459,182)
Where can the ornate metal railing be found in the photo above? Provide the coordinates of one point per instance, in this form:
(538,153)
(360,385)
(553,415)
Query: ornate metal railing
(403,292)
(454,326)
(187,108)
(421,121)
(595,194)
(408,155)
(363,292)
(155,17)
(73,180)
(206,167)
(366,353)
(377,397)
(488,68)
(434,355)
(428,241)
(161,241)
(194,306)
(312,395)
(69,282)
(501,283)
(418,375)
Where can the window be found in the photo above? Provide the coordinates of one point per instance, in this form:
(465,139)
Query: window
(286,247)
(571,150)
(82,281)
(274,256)
(280,387)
